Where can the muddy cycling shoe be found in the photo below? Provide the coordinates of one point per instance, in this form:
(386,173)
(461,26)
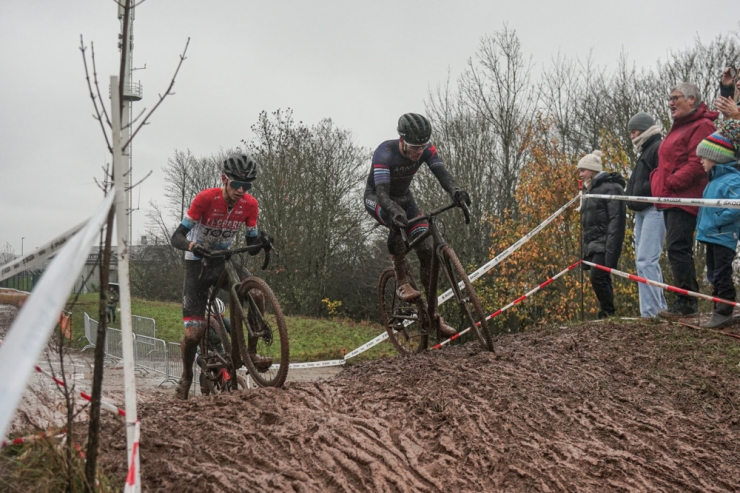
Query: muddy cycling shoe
(407,293)
(262,363)
(445,329)
(183,387)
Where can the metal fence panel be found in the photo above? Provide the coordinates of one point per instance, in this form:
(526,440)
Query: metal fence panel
(91,331)
(174,363)
(150,354)
(114,343)
(144,326)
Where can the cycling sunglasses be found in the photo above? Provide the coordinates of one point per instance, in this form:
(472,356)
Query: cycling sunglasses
(416,147)
(236,184)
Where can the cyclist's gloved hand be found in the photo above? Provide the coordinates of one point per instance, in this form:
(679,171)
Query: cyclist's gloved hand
(398,217)
(461,196)
(400,221)
(266,239)
(201,251)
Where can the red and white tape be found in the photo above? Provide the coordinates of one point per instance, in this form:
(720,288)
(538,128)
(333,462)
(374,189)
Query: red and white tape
(667,287)
(515,302)
(104,405)
(131,476)
(725,203)
(32,438)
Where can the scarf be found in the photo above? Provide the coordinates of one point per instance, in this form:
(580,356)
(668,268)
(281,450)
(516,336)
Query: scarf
(640,139)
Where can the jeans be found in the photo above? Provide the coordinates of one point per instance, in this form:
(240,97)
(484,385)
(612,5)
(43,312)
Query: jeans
(649,237)
(679,239)
(601,282)
(719,273)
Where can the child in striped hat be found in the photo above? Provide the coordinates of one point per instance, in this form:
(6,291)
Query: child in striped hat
(718,227)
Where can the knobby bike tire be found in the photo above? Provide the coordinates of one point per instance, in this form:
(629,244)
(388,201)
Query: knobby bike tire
(272,344)
(468,301)
(407,338)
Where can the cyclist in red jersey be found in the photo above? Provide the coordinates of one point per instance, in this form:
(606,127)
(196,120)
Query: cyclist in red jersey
(211,223)
(389,201)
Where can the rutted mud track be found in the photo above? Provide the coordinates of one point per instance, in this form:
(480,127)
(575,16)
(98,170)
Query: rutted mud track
(601,407)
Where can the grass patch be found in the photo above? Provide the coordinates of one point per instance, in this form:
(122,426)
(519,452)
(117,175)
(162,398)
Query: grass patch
(311,339)
(42,466)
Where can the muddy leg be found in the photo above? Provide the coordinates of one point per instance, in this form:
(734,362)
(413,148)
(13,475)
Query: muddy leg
(424,252)
(194,331)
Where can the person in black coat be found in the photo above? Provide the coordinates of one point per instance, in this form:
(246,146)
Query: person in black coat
(603,222)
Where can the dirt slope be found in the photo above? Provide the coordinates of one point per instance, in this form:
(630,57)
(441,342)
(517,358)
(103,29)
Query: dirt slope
(600,407)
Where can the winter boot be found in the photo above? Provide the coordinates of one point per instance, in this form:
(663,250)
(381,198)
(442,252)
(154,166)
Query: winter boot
(718,321)
(404,290)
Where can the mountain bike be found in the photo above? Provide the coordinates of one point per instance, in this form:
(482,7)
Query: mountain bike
(258,338)
(409,324)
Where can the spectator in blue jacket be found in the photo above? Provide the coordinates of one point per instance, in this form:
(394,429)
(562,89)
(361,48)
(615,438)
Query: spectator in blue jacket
(718,228)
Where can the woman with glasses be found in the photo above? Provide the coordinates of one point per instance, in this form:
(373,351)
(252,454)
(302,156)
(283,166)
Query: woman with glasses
(389,201)
(211,223)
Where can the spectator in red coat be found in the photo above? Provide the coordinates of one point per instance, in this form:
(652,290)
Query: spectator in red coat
(680,174)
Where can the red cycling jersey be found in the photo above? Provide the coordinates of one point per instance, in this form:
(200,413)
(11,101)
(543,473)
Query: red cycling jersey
(213,224)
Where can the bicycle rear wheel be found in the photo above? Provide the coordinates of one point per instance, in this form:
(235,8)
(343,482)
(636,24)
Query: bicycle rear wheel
(404,322)
(466,298)
(266,355)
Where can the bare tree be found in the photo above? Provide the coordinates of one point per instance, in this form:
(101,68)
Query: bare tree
(310,192)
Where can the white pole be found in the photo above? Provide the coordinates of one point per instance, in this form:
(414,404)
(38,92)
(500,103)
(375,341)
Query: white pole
(119,180)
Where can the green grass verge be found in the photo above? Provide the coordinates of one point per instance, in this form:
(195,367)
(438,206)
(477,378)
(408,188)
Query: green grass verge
(311,339)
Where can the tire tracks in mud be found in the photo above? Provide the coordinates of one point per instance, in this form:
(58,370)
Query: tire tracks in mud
(601,406)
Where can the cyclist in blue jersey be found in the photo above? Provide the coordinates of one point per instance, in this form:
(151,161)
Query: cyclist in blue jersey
(389,201)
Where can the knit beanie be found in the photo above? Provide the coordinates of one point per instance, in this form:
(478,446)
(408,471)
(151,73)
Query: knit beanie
(641,121)
(591,161)
(717,148)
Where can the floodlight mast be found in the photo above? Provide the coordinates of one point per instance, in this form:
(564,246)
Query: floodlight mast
(132,91)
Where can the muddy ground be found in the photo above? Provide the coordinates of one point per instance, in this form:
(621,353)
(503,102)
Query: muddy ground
(609,406)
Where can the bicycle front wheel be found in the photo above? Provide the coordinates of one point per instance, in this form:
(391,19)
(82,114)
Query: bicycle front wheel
(403,321)
(266,354)
(466,298)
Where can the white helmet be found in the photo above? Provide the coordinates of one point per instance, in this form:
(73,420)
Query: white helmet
(217,306)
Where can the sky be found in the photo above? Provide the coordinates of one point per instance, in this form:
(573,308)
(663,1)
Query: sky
(362,64)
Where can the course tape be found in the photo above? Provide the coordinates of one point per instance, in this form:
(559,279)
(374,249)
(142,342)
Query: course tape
(725,203)
(84,395)
(316,364)
(32,438)
(104,405)
(668,287)
(515,302)
(476,274)
(35,258)
(31,329)
(131,476)
(503,255)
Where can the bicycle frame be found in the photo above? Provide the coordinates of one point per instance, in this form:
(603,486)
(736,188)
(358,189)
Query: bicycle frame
(229,281)
(438,242)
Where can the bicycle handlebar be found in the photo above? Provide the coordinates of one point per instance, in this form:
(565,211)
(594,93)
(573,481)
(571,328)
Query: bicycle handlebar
(463,206)
(248,249)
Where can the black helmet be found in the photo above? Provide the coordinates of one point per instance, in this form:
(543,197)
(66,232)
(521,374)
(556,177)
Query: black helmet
(240,167)
(414,128)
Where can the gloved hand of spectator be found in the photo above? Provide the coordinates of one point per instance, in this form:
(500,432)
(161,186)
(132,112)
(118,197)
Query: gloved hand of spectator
(201,251)
(461,196)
